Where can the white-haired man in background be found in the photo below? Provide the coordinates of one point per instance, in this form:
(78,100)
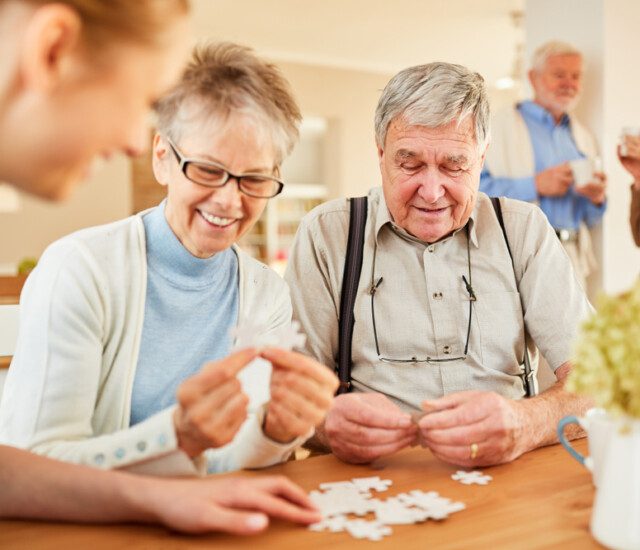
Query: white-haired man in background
(532,146)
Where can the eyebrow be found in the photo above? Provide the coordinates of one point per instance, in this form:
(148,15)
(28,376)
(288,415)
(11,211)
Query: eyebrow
(404,154)
(457,159)
(206,157)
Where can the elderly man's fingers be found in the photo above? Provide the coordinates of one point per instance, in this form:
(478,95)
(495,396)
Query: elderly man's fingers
(284,359)
(459,435)
(368,410)
(364,435)
(458,409)
(358,454)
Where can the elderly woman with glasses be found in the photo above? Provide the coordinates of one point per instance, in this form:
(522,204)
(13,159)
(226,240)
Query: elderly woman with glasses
(123,358)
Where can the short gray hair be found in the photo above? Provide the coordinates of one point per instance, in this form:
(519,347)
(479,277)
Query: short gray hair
(434,95)
(551,49)
(226,80)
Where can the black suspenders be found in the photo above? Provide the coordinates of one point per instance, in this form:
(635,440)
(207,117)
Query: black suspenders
(351,279)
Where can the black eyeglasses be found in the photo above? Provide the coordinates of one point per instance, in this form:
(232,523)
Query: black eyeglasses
(212,174)
(472,298)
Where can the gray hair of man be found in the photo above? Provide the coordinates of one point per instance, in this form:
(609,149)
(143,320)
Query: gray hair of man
(551,49)
(224,81)
(435,95)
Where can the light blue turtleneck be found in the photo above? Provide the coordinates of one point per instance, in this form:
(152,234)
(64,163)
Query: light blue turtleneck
(191,304)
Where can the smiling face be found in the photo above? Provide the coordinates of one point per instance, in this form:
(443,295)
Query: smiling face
(557,87)
(209,220)
(430,177)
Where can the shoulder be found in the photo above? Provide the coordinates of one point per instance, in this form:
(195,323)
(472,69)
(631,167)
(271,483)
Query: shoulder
(327,214)
(515,213)
(258,275)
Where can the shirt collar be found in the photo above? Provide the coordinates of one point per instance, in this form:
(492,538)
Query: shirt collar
(537,112)
(383,219)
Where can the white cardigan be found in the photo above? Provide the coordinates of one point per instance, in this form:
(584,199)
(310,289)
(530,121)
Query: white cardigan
(510,154)
(68,391)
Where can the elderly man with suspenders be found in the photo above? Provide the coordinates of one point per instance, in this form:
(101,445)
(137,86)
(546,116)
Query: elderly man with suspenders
(429,298)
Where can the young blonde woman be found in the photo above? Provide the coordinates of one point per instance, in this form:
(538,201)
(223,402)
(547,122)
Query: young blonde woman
(76,83)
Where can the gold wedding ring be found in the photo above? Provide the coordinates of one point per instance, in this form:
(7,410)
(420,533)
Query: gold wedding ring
(474,450)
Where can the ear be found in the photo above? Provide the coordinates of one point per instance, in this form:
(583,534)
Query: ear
(380,156)
(159,156)
(51,40)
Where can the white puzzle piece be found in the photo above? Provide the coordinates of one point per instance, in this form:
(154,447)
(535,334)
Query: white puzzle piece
(468,478)
(250,335)
(371,530)
(338,499)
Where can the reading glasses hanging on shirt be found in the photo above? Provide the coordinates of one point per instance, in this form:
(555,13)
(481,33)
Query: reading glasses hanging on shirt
(211,174)
(375,284)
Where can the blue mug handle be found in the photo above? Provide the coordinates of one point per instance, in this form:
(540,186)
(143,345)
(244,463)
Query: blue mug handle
(565,443)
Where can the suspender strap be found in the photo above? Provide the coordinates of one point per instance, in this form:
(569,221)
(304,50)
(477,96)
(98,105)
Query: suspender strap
(350,280)
(527,375)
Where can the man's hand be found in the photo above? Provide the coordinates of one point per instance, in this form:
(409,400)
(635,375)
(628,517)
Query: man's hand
(234,505)
(554,181)
(631,161)
(361,427)
(457,421)
(595,191)
(301,394)
(212,406)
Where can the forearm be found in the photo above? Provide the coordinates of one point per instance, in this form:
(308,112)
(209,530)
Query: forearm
(40,488)
(539,416)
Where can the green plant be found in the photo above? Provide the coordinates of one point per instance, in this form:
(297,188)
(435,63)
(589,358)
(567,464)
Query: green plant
(26,265)
(606,363)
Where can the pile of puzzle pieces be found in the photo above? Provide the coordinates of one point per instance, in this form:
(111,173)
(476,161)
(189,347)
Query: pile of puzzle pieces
(338,499)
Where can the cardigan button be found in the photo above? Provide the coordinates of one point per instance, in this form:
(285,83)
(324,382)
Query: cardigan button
(99,458)
(141,446)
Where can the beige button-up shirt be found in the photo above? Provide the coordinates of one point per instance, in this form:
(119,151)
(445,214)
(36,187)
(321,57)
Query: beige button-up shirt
(422,304)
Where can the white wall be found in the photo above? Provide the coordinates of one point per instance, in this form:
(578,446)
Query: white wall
(606,31)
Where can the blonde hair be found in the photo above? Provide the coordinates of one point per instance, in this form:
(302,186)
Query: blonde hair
(135,20)
(226,80)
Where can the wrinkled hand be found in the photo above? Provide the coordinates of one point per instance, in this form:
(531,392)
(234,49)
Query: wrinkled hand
(301,394)
(595,191)
(454,422)
(554,181)
(234,505)
(631,161)
(211,404)
(361,427)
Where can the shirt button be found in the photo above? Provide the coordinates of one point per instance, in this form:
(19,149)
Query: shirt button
(446,350)
(437,295)
(431,248)
(141,446)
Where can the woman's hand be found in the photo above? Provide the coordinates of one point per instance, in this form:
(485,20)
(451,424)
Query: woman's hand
(212,406)
(301,394)
(235,505)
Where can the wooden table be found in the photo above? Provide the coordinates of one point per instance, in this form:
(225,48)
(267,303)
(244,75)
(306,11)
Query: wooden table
(542,500)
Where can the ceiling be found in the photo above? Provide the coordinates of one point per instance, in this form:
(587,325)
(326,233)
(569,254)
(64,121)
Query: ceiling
(373,35)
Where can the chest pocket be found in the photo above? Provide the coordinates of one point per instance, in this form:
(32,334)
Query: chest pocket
(498,316)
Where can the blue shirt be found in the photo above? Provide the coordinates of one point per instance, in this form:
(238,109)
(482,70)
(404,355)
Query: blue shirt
(553,144)
(191,303)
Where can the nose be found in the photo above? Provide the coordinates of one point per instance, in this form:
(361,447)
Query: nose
(228,196)
(431,188)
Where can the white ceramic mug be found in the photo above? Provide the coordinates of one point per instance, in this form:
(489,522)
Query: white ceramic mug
(615,521)
(627,131)
(597,424)
(582,170)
